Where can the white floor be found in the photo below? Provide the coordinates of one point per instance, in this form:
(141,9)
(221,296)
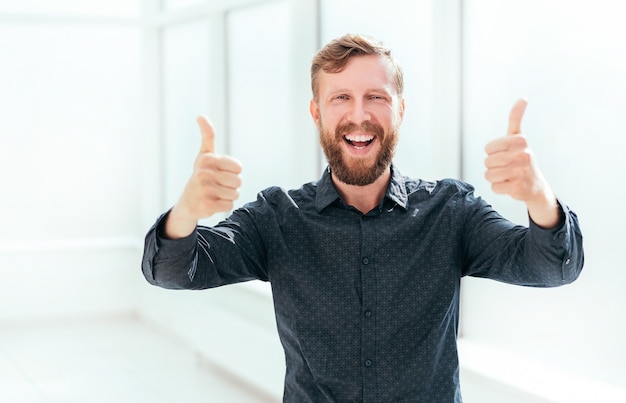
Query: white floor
(109,360)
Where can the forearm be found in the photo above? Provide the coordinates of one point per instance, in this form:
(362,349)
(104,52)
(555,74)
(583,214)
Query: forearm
(534,256)
(560,247)
(208,257)
(544,210)
(166,262)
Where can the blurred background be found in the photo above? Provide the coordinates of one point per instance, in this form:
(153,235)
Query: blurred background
(98,102)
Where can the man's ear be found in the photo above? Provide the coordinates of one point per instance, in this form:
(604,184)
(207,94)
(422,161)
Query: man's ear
(402,109)
(315,112)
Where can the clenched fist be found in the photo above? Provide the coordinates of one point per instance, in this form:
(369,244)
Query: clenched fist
(212,187)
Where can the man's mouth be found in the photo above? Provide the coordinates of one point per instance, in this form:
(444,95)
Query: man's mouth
(359,140)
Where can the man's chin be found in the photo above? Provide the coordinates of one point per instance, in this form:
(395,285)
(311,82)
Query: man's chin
(357,176)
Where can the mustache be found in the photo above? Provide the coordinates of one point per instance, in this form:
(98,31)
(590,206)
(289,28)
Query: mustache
(367,127)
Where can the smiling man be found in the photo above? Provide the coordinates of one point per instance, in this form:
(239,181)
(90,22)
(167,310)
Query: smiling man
(358,108)
(365,263)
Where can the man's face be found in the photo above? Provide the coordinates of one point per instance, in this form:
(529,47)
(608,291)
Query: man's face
(358,114)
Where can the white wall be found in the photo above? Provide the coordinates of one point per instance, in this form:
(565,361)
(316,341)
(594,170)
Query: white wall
(70,129)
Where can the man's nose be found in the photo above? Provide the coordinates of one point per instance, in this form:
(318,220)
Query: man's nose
(359,112)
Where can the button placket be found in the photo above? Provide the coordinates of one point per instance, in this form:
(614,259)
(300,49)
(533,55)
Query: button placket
(369,242)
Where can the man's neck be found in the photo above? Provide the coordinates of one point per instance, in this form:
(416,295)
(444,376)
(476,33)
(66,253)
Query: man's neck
(364,198)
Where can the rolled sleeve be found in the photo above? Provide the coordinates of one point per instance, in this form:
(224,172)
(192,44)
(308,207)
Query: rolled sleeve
(157,248)
(568,238)
(230,252)
(530,256)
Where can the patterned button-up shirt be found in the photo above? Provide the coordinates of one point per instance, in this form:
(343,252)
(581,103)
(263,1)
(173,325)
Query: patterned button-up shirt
(367,305)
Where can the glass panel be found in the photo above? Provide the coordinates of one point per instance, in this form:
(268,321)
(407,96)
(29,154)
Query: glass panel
(258,97)
(186,74)
(73,7)
(71,118)
(569,60)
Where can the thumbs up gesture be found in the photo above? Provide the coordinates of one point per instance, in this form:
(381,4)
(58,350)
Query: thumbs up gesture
(512,170)
(212,187)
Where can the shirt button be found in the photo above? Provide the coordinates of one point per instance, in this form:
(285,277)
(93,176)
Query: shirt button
(368,363)
(568,261)
(366,260)
(368,314)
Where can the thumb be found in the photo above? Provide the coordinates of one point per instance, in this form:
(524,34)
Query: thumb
(208,135)
(515,117)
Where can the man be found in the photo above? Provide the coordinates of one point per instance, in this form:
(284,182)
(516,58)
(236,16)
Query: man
(365,264)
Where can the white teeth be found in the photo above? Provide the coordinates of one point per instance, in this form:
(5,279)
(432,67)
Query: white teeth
(359,138)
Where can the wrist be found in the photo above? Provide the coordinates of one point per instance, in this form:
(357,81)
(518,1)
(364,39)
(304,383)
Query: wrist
(179,224)
(544,210)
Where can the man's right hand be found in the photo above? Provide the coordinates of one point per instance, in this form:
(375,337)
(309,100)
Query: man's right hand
(211,189)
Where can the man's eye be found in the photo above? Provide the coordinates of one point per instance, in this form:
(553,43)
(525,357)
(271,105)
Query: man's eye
(341,97)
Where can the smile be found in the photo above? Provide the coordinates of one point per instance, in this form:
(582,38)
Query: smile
(359,140)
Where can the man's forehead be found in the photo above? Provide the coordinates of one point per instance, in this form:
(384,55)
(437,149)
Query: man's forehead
(370,72)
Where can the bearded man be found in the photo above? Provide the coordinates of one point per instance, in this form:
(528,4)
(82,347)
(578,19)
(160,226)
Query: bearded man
(365,264)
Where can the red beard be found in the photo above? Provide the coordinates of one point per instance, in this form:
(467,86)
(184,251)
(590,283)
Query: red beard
(358,171)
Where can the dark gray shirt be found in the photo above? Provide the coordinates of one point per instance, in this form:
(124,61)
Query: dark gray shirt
(367,305)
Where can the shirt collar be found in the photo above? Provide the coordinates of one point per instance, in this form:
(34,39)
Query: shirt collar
(396,191)
(327,193)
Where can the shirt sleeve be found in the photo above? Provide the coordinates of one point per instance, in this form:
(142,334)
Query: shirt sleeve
(230,252)
(533,256)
